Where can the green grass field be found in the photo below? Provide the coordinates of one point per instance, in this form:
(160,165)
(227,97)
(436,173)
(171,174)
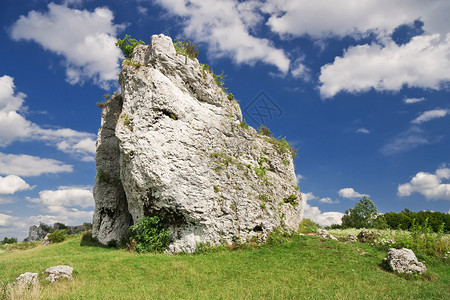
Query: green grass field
(304,268)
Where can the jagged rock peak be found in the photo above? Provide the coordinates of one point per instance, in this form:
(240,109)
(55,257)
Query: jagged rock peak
(174,145)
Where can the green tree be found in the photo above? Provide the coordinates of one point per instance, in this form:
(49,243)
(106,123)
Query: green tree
(362,215)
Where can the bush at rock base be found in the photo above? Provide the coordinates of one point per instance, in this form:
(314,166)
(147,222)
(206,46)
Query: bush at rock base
(57,236)
(148,235)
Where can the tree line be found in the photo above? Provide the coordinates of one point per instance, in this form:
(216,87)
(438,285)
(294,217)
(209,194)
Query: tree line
(366,215)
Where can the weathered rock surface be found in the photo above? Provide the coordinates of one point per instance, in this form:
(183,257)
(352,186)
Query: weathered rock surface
(57,272)
(323,233)
(27,279)
(172,145)
(404,261)
(37,233)
(368,236)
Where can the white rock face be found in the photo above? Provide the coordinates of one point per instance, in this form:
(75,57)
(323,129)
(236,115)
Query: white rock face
(172,145)
(405,261)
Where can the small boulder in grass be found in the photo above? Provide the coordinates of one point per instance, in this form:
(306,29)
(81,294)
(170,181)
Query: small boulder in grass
(404,261)
(27,279)
(352,238)
(323,233)
(58,272)
(368,236)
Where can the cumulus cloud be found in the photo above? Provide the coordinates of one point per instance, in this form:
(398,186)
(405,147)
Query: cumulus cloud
(429,185)
(423,62)
(27,165)
(225,27)
(350,193)
(14,126)
(299,177)
(85,39)
(323,18)
(65,197)
(12,184)
(328,200)
(413,100)
(362,130)
(406,141)
(430,115)
(322,218)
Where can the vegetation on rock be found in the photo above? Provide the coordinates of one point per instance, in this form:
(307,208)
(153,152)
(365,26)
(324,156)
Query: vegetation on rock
(127,45)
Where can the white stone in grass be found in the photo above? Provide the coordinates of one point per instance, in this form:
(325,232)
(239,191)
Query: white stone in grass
(323,233)
(404,261)
(27,279)
(58,272)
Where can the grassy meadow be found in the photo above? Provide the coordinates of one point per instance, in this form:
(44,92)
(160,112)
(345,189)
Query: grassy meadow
(304,267)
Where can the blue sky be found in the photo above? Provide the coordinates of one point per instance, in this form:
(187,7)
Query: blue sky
(360,87)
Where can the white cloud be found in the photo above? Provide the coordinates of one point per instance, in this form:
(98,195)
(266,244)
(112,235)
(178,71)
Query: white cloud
(328,200)
(26,165)
(413,100)
(362,130)
(313,213)
(430,115)
(350,193)
(225,27)
(142,10)
(423,62)
(308,196)
(55,200)
(324,18)
(299,177)
(429,185)
(299,70)
(85,39)
(13,126)
(12,184)
(406,141)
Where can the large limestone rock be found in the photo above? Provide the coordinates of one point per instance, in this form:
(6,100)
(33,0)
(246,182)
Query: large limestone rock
(404,261)
(172,145)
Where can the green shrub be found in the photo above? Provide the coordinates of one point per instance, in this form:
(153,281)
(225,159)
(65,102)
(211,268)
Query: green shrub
(307,226)
(11,240)
(230,96)
(261,169)
(127,45)
(57,236)
(88,240)
(244,125)
(149,235)
(186,48)
(264,131)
